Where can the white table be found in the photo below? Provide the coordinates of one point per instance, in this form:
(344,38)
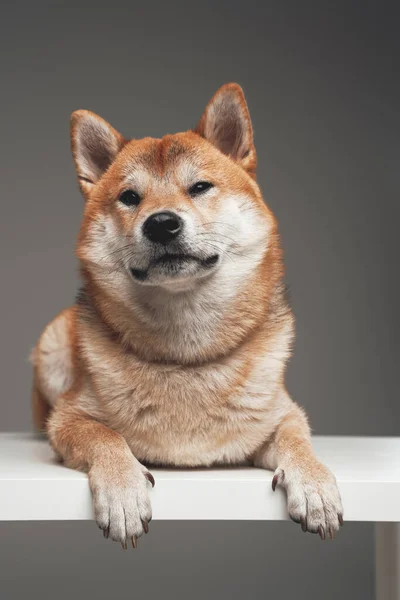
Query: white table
(33,486)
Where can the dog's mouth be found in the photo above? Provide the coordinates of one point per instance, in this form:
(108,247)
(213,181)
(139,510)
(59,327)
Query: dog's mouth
(171,259)
(173,263)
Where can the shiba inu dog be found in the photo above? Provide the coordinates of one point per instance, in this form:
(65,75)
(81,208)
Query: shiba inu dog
(175,351)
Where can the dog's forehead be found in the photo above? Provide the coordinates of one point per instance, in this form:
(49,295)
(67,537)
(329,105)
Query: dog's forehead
(178,155)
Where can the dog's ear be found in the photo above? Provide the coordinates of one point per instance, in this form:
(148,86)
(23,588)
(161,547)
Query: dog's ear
(95,144)
(226,124)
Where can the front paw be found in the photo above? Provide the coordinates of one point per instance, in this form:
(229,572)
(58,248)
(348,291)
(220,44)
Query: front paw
(313,497)
(121,501)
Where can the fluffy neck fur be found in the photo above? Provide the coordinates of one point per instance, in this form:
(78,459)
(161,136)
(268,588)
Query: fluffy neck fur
(196,326)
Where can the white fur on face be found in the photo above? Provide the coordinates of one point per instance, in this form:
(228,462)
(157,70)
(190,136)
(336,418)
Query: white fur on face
(137,179)
(236,233)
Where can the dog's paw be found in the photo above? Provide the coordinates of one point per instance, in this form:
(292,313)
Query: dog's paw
(313,498)
(121,501)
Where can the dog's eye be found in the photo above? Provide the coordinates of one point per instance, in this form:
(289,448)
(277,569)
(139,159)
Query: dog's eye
(199,188)
(129,198)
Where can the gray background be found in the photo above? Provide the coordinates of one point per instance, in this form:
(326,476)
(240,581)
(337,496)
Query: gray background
(322,84)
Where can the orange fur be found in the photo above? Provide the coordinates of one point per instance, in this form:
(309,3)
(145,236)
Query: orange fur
(179,365)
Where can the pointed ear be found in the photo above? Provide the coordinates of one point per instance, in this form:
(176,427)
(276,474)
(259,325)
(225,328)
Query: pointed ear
(95,144)
(226,124)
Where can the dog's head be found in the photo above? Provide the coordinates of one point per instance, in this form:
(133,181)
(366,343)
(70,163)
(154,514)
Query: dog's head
(171,212)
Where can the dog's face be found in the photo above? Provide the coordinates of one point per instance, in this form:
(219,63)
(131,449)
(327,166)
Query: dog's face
(172,211)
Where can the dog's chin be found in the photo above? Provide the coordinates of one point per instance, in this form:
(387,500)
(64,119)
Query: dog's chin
(174,269)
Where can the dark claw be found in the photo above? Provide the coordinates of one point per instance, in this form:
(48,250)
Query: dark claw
(124,545)
(321,531)
(106,532)
(145,526)
(150,478)
(274,482)
(134,544)
(304,524)
(331,533)
(295,520)
(340,517)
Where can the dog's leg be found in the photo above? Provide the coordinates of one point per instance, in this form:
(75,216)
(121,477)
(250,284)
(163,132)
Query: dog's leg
(117,479)
(312,492)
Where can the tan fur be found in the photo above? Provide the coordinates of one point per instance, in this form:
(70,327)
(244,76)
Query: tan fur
(180,368)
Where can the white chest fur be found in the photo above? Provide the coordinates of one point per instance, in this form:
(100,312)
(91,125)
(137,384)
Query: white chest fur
(217,412)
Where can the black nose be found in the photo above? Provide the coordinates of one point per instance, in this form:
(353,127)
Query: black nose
(162,227)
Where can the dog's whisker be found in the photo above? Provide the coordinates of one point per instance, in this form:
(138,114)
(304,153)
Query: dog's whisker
(122,249)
